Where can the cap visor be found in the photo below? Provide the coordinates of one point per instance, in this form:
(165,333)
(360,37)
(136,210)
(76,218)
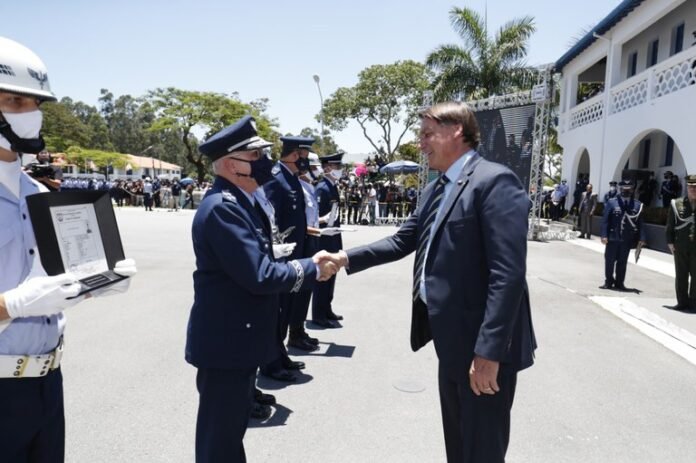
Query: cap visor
(257,144)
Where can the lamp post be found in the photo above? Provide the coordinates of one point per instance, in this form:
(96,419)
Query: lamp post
(321,112)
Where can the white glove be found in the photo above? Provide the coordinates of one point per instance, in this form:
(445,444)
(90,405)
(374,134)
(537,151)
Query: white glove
(126,268)
(42,296)
(283,250)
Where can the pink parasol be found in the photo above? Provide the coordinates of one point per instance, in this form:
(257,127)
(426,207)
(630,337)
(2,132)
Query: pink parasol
(360,169)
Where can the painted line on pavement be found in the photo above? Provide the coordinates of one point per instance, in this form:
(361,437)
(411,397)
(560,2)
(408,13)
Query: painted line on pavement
(647,262)
(676,339)
(680,341)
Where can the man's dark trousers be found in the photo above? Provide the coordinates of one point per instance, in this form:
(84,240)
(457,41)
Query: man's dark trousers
(685,266)
(477,428)
(616,254)
(324,290)
(32,422)
(298,313)
(223,413)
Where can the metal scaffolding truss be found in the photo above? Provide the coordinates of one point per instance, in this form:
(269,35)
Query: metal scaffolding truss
(502,101)
(424,167)
(542,96)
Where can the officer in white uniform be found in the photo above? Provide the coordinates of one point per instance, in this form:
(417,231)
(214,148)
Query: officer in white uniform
(32,427)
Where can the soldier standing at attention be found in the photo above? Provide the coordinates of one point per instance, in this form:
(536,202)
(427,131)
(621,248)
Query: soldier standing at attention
(327,198)
(621,230)
(681,239)
(287,196)
(612,193)
(32,419)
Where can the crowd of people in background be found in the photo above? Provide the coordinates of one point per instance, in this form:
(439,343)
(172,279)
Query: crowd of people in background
(362,201)
(148,193)
(554,205)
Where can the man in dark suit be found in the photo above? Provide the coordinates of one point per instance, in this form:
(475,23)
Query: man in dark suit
(285,193)
(236,286)
(470,295)
(328,200)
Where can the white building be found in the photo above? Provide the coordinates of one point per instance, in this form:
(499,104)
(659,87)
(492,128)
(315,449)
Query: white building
(641,59)
(141,166)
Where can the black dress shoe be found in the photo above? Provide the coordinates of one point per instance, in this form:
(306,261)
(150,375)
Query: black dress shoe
(263,398)
(302,344)
(333,316)
(325,323)
(282,375)
(302,334)
(619,287)
(293,365)
(681,308)
(606,286)
(260,412)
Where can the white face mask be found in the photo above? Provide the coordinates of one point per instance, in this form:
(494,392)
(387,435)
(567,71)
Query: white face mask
(25,125)
(337,174)
(317,173)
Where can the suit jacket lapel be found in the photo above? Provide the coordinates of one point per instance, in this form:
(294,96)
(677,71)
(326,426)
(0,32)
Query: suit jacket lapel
(459,186)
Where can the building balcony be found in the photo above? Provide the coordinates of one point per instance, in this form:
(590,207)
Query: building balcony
(667,77)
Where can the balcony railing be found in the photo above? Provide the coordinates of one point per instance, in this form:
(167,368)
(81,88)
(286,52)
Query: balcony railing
(669,76)
(587,112)
(632,92)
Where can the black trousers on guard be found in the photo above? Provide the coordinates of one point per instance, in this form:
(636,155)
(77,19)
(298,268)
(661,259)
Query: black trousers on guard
(616,255)
(298,312)
(223,414)
(322,295)
(477,428)
(32,420)
(685,281)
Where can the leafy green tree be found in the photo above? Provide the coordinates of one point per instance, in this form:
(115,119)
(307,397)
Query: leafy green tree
(182,112)
(63,129)
(322,145)
(82,157)
(410,152)
(386,98)
(99,137)
(484,66)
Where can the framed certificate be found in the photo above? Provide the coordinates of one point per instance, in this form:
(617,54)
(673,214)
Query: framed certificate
(76,232)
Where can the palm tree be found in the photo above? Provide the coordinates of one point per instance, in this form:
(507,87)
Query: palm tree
(484,66)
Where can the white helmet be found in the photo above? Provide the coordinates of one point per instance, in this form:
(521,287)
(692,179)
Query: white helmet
(21,71)
(314,159)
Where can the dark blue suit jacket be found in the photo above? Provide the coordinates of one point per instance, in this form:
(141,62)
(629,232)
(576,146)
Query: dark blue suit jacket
(478,301)
(236,283)
(287,196)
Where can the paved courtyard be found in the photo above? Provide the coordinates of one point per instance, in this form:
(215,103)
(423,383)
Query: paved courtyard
(602,390)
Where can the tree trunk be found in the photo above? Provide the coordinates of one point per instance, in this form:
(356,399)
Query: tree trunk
(196,161)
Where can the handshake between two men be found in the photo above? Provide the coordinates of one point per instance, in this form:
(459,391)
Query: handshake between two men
(329,263)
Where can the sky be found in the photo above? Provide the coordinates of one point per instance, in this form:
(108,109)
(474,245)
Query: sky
(262,48)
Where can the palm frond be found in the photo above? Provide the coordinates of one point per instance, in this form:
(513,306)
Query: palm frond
(512,39)
(470,27)
(447,55)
